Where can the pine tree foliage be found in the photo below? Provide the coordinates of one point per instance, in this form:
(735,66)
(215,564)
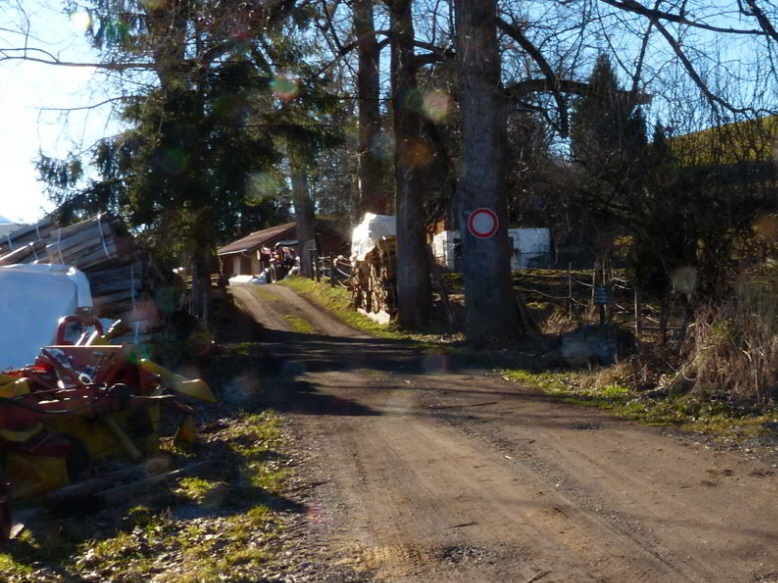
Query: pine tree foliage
(227,90)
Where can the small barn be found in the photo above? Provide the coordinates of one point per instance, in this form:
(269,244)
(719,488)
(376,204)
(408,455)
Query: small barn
(243,257)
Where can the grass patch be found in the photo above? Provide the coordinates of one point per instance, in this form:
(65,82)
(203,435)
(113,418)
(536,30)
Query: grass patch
(228,531)
(299,325)
(689,412)
(264,294)
(199,489)
(337,301)
(12,567)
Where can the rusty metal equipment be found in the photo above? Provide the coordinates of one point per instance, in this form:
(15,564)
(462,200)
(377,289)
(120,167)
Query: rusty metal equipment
(78,403)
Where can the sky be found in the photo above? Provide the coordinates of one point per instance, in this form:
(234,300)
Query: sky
(27,88)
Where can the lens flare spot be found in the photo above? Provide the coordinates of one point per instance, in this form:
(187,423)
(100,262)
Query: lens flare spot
(419,154)
(316,514)
(436,105)
(81,19)
(284,87)
(435,363)
(241,388)
(264,184)
(684,280)
(766,227)
(382,146)
(153,4)
(175,160)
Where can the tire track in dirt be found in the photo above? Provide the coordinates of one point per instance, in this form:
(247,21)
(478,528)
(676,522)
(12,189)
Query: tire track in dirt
(650,487)
(463,477)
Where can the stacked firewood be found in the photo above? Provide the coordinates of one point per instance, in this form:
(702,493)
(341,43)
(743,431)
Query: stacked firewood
(91,245)
(27,244)
(121,277)
(374,280)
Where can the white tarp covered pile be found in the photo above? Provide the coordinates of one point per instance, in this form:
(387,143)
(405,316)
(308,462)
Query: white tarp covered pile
(121,277)
(372,229)
(32,300)
(373,259)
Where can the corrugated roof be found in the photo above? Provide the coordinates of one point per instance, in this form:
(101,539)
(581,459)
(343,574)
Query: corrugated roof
(256,239)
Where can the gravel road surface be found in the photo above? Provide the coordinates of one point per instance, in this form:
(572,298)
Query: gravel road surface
(417,467)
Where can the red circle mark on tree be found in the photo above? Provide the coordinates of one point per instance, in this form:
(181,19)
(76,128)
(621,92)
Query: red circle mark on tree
(483,223)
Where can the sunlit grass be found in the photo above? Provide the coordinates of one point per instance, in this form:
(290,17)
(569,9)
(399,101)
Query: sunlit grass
(299,325)
(232,539)
(689,412)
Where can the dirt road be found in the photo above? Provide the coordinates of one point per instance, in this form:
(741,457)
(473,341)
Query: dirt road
(428,471)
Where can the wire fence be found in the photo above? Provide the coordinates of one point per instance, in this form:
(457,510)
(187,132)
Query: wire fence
(334,270)
(599,294)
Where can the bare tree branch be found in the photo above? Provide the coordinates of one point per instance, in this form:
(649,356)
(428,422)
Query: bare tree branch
(515,33)
(763,20)
(653,13)
(522,88)
(712,98)
(53,60)
(87,107)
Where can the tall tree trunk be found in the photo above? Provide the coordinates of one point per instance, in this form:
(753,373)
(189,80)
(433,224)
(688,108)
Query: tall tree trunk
(200,301)
(305,214)
(414,294)
(372,197)
(491,307)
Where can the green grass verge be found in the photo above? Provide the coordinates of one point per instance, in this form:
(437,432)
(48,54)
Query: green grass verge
(336,300)
(299,325)
(688,412)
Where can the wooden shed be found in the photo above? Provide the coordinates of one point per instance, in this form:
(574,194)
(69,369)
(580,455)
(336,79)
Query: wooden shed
(242,257)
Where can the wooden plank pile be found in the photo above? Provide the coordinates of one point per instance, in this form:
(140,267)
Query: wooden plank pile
(121,276)
(27,244)
(374,280)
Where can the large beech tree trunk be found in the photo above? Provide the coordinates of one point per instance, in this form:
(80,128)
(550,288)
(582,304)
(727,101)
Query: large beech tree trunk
(372,197)
(414,294)
(492,313)
(305,214)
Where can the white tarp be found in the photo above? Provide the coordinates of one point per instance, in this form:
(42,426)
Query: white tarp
(444,246)
(372,228)
(529,247)
(32,300)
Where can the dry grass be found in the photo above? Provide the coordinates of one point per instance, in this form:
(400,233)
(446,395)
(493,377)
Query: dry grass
(559,322)
(733,349)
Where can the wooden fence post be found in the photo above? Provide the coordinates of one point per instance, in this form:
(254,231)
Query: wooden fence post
(638,323)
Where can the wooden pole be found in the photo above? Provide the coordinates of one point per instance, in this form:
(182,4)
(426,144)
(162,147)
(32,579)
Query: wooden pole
(638,323)
(599,269)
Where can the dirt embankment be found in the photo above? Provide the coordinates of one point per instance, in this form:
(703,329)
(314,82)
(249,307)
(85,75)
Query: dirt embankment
(420,469)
